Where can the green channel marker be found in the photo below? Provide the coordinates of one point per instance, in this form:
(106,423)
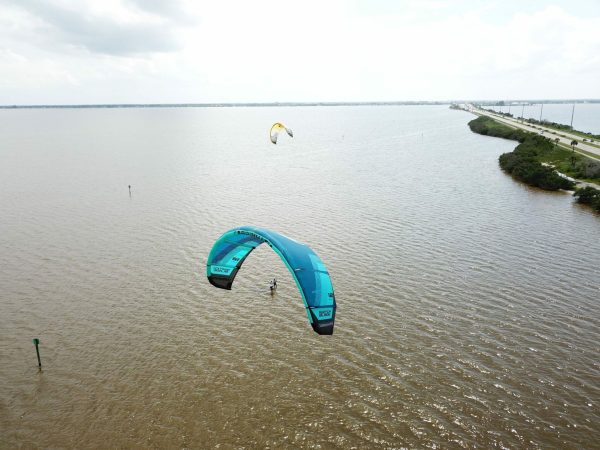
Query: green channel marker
(36,342)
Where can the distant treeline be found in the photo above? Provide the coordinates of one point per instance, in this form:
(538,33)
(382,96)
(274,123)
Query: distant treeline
(546,123)
(225,105)
(561,126)
(522,162)
(493,111)
(528,102)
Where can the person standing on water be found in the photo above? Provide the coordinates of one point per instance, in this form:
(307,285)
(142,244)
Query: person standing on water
(273,286)
(130,190)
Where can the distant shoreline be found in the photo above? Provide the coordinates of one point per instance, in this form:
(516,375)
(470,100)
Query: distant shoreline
(224,105)
(270,104)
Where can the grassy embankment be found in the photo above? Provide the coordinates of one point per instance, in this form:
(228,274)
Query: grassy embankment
(536,157)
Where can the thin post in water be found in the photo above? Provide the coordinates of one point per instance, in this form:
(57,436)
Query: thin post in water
(36,342)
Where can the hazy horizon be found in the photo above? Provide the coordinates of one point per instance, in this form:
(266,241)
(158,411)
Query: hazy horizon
(484,102)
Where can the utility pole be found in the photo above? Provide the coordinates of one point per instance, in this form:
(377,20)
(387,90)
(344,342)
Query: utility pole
(572,114)
(541,109)
(522,111)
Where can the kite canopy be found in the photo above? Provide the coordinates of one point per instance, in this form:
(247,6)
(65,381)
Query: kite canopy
(230,251)
(276,129)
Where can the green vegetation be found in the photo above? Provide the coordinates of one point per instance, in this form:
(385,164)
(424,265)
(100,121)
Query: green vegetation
(524,162)
(588,196)
(571,164)
(573,144)
(535,158)
(489,127)
(500,113)
(562,127)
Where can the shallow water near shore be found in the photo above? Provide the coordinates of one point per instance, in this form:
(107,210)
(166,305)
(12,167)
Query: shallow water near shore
(468,307)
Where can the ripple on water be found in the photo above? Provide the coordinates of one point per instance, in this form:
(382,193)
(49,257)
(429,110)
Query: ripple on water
(467,311)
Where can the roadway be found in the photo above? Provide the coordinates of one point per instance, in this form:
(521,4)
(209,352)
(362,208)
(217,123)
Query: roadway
(563,137)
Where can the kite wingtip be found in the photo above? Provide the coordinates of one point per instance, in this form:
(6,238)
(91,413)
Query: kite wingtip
(220,282)
(323,328)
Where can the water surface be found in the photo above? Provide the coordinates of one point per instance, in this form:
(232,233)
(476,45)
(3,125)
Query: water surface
(467,302)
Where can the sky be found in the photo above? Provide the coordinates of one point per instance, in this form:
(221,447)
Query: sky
(230,51)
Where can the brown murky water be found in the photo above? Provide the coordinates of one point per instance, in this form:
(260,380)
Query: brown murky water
(468,304)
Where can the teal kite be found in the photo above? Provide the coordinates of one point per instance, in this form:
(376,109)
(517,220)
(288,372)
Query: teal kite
(230,251)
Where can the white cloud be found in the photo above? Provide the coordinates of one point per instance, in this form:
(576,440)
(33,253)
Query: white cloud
(151,51)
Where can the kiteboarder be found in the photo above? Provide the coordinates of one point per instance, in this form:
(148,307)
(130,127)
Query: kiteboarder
(310,275)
